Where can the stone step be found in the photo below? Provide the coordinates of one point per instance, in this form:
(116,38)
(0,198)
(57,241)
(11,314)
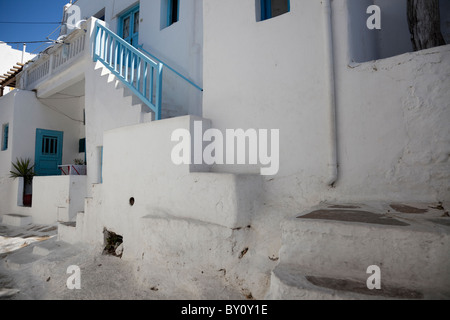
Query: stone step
(18,261)
(411,249)
(16,220)
(67,232)
(172,241)
(44,248)
(288,282)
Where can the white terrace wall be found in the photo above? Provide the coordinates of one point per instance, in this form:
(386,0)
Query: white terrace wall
(6,117)
(392,115)
(276,79)
(179,45)
(393,38)
(10,57)
(26,113)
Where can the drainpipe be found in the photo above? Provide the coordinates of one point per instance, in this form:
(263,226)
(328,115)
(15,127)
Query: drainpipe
(331,95)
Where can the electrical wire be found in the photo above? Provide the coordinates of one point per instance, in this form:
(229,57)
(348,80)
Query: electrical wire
(47,38)
(28,22)
(34,41)
(41,100)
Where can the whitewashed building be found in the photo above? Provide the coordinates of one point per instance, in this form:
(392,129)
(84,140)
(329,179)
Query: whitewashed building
(362,120)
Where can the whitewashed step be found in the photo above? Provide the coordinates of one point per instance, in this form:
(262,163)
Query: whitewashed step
(288,282)
(44,248)
(67,232)
(410,249)
(16,220)
(19,261)
(170,241)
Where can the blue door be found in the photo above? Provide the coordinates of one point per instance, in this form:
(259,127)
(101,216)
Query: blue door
(129,26)
(48,155)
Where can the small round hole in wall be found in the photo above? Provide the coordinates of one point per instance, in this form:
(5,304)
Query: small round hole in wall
(131,201)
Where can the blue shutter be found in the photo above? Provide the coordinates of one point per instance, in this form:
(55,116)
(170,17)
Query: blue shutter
(5,136)
(266,9)
(173,11)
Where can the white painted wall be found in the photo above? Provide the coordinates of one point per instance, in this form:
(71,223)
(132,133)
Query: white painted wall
(57,198)
(30,114)
(9,58)
(383,107)
(26,113)
(6,117)
(392,125)
(179,45)
(262,86)
(393,38)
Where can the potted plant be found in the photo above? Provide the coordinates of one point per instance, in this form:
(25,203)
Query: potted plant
(24,169)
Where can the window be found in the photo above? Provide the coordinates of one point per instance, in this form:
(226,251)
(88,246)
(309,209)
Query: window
(100,15)
(170,12)
(266,9)
(82,145)
(129,26)
(5,131)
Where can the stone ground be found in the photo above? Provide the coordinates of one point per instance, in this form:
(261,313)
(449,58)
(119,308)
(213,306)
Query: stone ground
(33,266)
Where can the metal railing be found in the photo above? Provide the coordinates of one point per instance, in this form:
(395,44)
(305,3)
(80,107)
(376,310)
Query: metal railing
(138,72)
(192,83)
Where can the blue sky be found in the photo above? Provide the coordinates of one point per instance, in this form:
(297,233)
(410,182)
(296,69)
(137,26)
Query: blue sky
(30,11)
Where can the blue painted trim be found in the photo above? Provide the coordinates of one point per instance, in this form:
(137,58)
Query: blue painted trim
(266,9)
(129,13)
(40,133)
(140,47)
(170,8)
(5,137)
(102,34)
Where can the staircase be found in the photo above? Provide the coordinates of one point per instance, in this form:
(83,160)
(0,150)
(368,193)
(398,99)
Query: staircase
(326,253)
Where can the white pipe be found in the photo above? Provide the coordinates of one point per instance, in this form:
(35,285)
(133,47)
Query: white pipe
(331,94)
(23,52)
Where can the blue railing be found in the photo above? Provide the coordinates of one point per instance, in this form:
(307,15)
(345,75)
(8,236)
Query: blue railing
(138,72)
(170,68)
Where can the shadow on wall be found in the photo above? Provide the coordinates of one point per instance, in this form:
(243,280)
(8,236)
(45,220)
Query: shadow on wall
(393,38)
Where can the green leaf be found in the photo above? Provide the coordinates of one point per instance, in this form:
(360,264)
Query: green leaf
(23,169)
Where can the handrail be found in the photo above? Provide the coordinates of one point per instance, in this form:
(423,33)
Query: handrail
(137,71)
(172,69)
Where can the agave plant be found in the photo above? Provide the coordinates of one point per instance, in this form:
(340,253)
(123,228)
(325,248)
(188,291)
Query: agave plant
(23,169)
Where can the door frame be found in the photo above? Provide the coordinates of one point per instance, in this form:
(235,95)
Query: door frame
(40,133)
(133,35)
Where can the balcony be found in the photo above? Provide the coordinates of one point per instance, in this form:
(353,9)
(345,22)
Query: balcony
(60,65)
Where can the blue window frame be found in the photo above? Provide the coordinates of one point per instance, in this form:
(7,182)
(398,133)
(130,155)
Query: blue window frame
(273,8)
(129,26)
(170,12)
(5,136)
(173,11)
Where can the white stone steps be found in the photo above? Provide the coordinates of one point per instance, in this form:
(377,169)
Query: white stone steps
(177,241)
(16,220)
(67,232)
(288,282)
(44,248)
(341,242)
(18,261)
